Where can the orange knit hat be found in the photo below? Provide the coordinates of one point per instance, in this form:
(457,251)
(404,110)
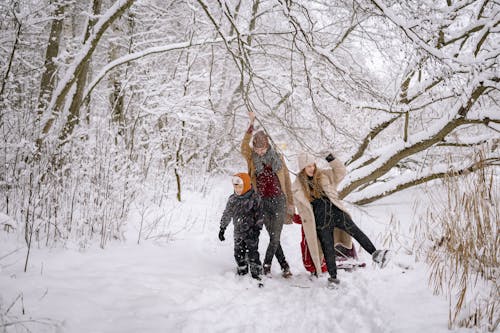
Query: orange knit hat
(247,184)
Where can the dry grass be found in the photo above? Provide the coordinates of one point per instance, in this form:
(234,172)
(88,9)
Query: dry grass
(459,239)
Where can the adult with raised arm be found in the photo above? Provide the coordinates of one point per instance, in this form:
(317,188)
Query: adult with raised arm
(321,211)
(270,177)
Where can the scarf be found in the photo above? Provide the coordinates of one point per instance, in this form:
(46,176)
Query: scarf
(269,158)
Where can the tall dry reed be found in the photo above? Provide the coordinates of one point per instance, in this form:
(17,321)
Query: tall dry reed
(459,239)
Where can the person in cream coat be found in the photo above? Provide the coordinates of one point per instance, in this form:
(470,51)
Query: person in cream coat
(325,220)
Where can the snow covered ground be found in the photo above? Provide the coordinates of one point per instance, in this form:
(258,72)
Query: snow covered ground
(182,279)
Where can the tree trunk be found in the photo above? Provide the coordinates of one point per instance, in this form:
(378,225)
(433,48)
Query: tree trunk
(48,79)
(179,164)
(117,97)
(11,57)
(80,62)
(76,103)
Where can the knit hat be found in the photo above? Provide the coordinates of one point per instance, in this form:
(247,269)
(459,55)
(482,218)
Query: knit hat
(304,159)
(245,180)
(260,140)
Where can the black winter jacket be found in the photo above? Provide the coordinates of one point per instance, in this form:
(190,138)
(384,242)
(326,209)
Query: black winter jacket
(246,212)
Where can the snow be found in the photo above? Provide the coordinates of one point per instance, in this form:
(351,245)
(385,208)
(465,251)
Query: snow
(182,279)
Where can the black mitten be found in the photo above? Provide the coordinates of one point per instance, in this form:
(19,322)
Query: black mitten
(221,234)
(330,158)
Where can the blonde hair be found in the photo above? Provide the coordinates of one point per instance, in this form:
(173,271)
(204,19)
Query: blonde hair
(317,190)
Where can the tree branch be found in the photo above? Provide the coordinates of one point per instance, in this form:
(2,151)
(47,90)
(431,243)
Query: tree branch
(393,188)
(71,75)
(370,136)
(418,142)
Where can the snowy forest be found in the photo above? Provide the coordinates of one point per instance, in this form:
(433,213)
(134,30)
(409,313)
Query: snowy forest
(110,107)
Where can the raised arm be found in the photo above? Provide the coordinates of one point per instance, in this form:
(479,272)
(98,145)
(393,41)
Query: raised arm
(338,168)
(246,150)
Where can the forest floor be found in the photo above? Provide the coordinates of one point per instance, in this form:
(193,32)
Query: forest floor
(182,279)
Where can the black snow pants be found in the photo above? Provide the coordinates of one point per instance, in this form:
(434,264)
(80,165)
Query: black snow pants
(274,218)
(247,246)
(327,217)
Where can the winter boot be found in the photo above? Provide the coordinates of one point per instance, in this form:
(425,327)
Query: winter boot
(260,284)
(286,271)
(344,253)
(242,270)
(333,282)
(266,269)
(381,257)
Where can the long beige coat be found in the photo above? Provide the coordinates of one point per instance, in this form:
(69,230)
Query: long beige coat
(283,174)
(329,178)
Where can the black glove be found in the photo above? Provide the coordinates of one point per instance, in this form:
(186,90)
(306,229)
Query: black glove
(330,158)
(221,234)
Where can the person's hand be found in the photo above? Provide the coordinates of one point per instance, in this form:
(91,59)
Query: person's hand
(328,154)
(329,157)
(251,115)
(221,234)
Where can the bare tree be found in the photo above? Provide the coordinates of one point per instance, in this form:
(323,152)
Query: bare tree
(80,62)
(77,99)
(165,87)
(48,79)
(445,92)
(454,88)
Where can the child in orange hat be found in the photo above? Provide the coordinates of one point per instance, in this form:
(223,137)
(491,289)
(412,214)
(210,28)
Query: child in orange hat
(244,208)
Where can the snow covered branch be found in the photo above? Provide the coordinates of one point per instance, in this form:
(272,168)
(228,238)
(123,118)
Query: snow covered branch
(369,171)
(83,57)
(382,189)
(370,136)
(453,70)
(142,54)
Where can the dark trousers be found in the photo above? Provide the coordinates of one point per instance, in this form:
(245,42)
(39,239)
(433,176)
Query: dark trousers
(248,247)
(274,218)
(340,220)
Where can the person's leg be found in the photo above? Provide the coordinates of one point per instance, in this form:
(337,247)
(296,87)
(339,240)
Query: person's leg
(274,214)
(268,257)
(280,216)
(239,256)
(252,243)
(343,221)
(325,237)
